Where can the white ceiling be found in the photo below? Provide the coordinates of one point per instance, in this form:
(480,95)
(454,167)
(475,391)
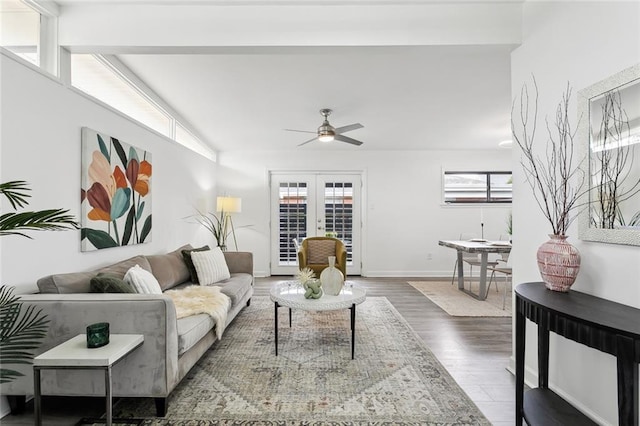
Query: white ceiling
(438,97)
(428,77)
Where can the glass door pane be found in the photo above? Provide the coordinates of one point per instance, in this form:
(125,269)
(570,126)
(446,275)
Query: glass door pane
(338,213)
(292,224)
(292,217)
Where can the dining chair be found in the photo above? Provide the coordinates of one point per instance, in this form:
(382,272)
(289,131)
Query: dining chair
(472,259)
(503,267)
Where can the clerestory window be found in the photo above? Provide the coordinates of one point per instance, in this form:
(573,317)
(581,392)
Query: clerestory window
(20,30)
(97,77)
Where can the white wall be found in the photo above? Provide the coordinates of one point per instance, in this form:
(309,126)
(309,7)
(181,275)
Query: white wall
(40,135)
(580,43)
(402,210)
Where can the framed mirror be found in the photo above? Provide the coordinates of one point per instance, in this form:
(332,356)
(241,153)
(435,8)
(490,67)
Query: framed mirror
(609,141)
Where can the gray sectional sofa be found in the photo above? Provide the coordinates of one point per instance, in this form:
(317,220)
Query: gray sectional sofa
(171,346)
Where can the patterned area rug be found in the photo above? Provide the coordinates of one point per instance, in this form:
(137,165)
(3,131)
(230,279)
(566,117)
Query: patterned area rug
(115,422)
(459,304)
(393,380)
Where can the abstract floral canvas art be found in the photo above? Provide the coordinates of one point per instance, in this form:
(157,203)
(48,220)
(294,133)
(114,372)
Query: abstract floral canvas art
(116,192)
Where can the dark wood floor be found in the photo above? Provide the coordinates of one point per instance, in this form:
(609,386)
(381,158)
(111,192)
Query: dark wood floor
(475,351)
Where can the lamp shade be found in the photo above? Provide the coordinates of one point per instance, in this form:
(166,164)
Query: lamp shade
(229,204)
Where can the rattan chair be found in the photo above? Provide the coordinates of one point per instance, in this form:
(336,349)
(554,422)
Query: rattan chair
(315,251)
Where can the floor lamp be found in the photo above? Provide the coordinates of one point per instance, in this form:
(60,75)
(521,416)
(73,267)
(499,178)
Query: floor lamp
(226,206)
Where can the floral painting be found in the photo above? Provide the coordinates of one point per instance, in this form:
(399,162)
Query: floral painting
(116,192)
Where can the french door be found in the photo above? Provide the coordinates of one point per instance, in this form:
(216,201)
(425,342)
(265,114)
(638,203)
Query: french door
(314,204)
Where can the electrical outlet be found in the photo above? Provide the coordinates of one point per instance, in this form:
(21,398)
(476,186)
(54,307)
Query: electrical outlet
(429,256)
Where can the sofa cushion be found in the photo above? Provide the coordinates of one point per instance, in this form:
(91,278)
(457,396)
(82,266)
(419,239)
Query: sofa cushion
(170,269)
(121,268)
(186,254)
(210,265)
(191,329)
(236,286)
(80,282)
(107,283)
(142,281)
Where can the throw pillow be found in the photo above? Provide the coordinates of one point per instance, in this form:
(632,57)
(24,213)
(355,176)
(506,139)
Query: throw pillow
(170,269)
(109,283)
(142,281)
(320,250)
(186,254)
(211,266)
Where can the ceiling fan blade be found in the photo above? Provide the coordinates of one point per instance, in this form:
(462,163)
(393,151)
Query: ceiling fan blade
(310,140)
(347,139)
(301,131)
(349,128)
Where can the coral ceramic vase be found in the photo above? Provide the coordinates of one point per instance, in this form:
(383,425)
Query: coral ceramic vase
(559,263)
(331,278)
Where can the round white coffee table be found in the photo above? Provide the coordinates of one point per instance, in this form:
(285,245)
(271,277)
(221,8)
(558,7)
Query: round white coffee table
(290,294)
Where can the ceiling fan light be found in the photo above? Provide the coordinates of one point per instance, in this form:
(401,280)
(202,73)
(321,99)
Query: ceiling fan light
(327,137)
(326,132)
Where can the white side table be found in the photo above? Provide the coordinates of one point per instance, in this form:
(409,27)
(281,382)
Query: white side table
(74,354)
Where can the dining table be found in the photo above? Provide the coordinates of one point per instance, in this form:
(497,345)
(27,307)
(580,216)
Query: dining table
(481,247)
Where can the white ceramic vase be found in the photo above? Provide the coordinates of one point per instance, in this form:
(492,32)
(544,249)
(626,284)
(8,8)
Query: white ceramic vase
(331,278)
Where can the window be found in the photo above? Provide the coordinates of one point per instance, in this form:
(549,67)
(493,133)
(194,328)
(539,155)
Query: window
(186,138)
(96,76)
(20,29)
(477,187)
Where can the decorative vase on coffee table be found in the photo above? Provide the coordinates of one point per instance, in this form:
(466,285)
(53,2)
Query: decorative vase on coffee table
(559,263)
(331,278)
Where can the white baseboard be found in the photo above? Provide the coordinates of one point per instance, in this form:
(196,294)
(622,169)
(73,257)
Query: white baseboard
(531,380)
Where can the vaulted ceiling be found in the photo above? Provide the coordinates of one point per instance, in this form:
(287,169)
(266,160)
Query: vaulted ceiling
(418,75)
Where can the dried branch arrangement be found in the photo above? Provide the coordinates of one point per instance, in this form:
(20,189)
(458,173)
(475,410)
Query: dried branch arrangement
(557,179)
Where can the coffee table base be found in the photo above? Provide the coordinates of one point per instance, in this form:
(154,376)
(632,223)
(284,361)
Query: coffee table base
(352,308)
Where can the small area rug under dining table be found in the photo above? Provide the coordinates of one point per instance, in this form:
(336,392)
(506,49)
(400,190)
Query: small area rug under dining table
(459,304)
(393,380)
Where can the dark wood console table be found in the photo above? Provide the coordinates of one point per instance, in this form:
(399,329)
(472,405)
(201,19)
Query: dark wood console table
(598,323)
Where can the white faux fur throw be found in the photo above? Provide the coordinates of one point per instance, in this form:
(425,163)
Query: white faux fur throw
(197,299)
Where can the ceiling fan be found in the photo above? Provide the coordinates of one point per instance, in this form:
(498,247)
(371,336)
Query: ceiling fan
(327,133)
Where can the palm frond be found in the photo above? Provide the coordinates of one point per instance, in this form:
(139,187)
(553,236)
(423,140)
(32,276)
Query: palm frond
(16,192)
(44,220)
(7,375)
(213,224)
(20,332)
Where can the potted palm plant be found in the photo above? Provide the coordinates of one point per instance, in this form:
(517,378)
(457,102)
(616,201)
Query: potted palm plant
(22,330)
